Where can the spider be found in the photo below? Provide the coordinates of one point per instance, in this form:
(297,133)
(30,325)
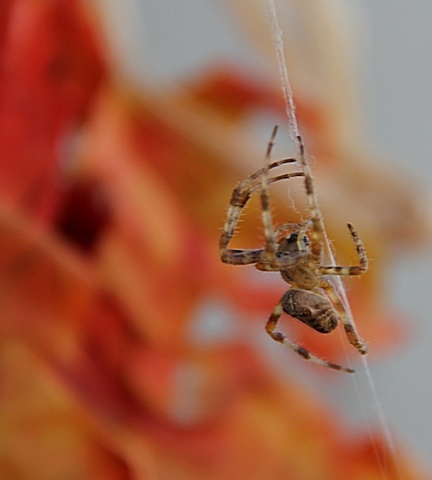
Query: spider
(296,251)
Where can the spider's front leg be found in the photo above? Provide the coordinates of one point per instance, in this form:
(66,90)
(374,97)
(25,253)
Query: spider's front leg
(241,256)
(271,245)
(352,269)
(279,337)
(239,199)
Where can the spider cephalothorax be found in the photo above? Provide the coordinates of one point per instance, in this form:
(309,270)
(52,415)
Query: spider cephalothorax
(296,251)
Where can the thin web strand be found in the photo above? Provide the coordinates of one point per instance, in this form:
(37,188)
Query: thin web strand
(338,284)
(295,134)
(290,108)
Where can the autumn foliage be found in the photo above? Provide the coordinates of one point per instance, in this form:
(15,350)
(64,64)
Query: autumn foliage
(111,203)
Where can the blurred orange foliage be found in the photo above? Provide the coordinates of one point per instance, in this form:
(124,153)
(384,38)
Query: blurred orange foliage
(110,206)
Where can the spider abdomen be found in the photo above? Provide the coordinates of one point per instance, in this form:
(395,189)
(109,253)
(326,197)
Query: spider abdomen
(310,308)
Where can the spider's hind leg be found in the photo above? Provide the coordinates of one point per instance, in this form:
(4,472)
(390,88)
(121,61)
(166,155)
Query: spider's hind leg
(350,330)
(279,337)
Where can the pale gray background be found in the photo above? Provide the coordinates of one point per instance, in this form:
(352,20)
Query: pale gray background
(177,36)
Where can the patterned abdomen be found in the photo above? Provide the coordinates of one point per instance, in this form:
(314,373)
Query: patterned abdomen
(310,308)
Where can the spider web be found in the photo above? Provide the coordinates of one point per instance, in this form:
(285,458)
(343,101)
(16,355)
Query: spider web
(337,282)
(290,110)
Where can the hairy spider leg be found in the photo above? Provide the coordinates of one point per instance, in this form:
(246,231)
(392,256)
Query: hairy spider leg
(350,330)
(279,337)
(237,204)
(317,230)
(318,237)
(353,269)
(244,190)
(271,245)
(240,197)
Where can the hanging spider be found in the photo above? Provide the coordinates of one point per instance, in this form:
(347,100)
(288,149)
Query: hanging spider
(296,251)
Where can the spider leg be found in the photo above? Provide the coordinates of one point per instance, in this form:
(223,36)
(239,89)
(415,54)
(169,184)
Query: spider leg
(242,256)
(350,330)
(271,244)
(354,269)
(272,165)
(240,197)
(279,337)
(318,230)
(271,260)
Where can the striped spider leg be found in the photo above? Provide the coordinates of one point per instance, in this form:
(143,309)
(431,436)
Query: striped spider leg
(240,196)
(296,251)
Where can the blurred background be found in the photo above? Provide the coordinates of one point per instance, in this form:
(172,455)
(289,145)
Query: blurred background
(128,350)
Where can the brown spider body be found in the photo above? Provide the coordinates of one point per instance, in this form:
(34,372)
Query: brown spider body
(296,252)
(302,301)
(304,272)
(310,308)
